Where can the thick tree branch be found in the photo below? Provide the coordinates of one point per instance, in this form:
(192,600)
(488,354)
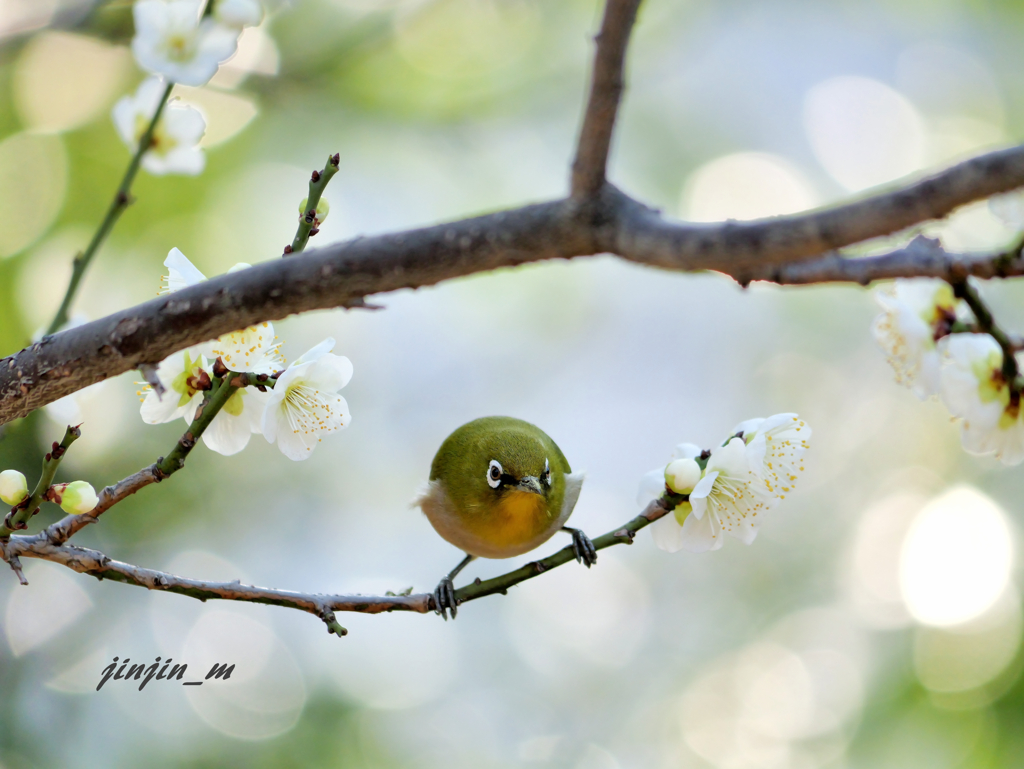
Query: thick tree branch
(606,86)
(342,275)
(96,564)
(742,248)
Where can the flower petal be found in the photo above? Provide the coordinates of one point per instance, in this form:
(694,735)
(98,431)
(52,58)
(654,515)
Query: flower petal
(652,486)
(330,372)
(314,353)
(687,451)
(667,534)
(228,434)
(731,458)
(182,272)
(748,426)
(700,535)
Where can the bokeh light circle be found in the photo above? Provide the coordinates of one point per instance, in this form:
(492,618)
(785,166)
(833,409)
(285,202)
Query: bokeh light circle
(956,559)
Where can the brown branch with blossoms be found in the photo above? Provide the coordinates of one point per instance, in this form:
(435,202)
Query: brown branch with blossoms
(786,249)
(730,500)
(47,546)
(594,218)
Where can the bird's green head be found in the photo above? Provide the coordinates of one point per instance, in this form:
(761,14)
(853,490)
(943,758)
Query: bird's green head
(499,464)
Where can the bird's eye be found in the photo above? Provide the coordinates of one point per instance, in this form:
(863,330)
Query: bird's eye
(494,473)
(546,477)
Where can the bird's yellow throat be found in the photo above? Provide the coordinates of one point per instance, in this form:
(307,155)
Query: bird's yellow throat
(518,517)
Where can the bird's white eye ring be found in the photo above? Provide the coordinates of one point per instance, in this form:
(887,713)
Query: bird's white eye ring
(547,472)
(494,473)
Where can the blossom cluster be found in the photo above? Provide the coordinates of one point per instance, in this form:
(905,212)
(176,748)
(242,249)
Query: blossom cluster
(178,41)
(729,488)
(934,352)
(294,405)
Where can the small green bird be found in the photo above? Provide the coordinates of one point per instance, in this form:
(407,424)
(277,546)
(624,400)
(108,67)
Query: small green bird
(500,487)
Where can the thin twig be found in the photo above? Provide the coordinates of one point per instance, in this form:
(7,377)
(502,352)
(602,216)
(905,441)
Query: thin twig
(219,394)
(214,401)
(308,220)
(122,199)
(623,535)
(13,561)
(62,530)
(923,257)
(17,519)
(987,323)
(96,564)
(606,86)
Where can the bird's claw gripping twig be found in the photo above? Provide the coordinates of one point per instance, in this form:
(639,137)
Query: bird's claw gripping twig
(444,598)
(582,547)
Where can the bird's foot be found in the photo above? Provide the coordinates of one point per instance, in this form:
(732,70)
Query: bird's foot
(444,598)
(582,547)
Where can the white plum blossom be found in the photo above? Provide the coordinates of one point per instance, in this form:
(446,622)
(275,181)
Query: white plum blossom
(238,13)
(180,272)
(184,378)
(680,475)
(975,390)
(775,449)
(172,40)
(917,313)
(729,499)
(727,496)
(304,404)
(174,148)
(253,349)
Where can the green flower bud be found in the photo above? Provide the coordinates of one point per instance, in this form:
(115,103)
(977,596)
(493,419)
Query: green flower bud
(79,497)
(682,475)
(322,208)
(13,487)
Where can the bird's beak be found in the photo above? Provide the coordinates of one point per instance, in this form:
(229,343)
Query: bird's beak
(530,483)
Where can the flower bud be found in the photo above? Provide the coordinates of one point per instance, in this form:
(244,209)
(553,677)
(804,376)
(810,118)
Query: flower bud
(322,208)
(13,487)
(682,475)
(79,497)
